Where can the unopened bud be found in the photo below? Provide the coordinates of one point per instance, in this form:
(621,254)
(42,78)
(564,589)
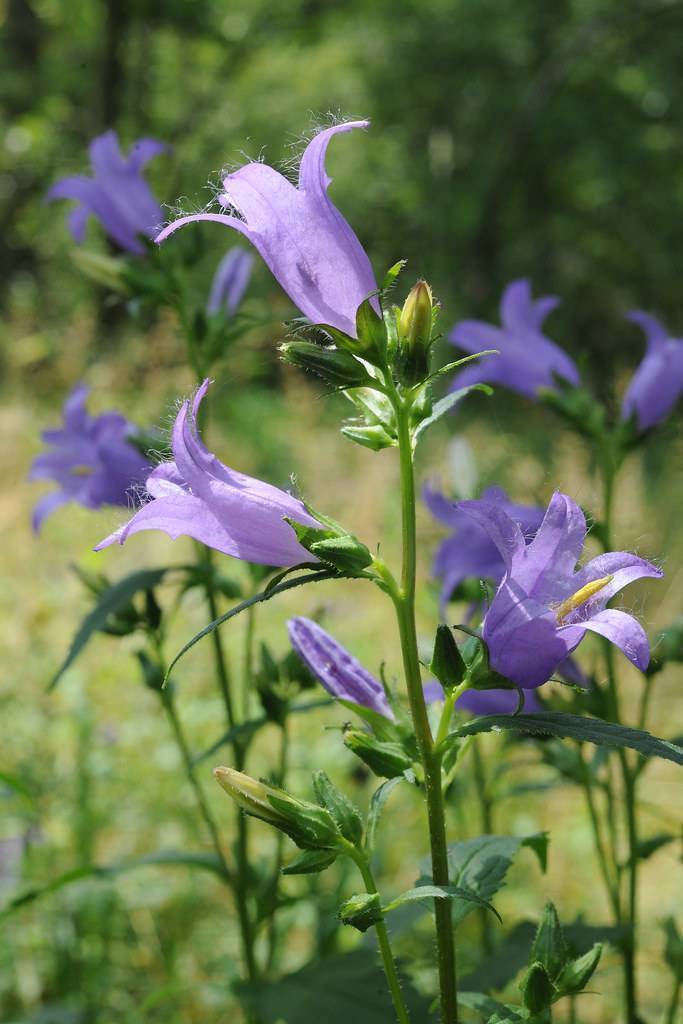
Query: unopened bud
(361,911)
(384,758)
(106,270)
(415,322)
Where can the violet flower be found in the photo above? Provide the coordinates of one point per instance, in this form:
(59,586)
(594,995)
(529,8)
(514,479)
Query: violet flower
(528,360)
(470,551)
(309,247)
(229,283)
(117,193)
(485,702)
(91,460)
(339,672)
(197,496)
(544,606)
(657,384)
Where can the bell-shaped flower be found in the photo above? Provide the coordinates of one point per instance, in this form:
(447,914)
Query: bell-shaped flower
(528,360)
(91,459)
(116,194)
(229,283)
(311,250)
(339,672)
(657,384)
(544,606)
(196,496)
(485,702)
(470,553)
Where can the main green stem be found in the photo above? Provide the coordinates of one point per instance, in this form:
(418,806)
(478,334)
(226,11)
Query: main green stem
(404,603)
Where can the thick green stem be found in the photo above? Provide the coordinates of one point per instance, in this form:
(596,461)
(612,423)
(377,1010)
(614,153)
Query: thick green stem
(404,603)
(382,939)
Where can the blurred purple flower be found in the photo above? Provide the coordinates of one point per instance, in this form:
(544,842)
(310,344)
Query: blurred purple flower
(229,283)
(117,194)
(543,606)
(197,496)
(470,552)
(91,460)
(657,384)
(528,360)
(339,672)
(309,247)
(486,702)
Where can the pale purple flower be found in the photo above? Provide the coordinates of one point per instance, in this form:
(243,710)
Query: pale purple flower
(657,384)
(309,247)
(229,283)
(116,194)
(544,606)
(470,552)
(485,702)
(197,496)
(339,672)
(91,459)
(528,360)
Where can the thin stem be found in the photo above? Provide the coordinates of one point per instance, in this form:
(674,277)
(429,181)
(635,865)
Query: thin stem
(672,1008)
(611,884)
(222,673)
(383,942)
(404,603)
(486,805)
(279,852)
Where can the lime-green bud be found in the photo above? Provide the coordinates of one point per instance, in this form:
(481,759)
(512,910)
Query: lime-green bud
(250,795)
(105,270)
(361,911)
(415,322)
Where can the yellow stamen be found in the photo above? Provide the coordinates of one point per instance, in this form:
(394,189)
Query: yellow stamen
(81,470)
(580,597)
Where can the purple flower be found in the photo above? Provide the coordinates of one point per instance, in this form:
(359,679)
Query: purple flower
(197,496)
(117,194)
(485,702)
(91,460)
(657,384)
(470,552)
(309,247)
(229,283)
(528,360)
(340,673)
(544,606)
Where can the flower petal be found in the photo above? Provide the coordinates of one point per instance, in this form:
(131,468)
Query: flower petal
(550,558)
(503,531)
(655,331)
(622,566)
(497,702)
(620,629)
(229,282)
(45,507)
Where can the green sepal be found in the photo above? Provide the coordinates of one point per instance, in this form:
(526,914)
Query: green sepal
(392,274)
(348,554)
(346,816)
(371,333)
(385,758)
(373,437)
(577,973)
(537,988)
(310,862)
(310,826)
(336,368)
(549,946)
(447,663)
(361,911)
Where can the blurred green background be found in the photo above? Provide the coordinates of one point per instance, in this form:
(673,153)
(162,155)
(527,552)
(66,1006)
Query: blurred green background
(507,139)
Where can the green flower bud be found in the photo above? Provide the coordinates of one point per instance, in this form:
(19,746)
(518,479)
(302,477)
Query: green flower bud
(361,911)
(384,758)
(415,322)
(338,369)
(349,821)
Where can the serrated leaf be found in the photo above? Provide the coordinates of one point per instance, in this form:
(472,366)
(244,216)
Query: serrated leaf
(111,600)
(589,730)
(445,405)
(440,892)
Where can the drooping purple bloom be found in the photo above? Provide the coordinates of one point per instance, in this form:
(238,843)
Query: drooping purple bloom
(470,552)
(91,459)
(544,606)
(229,283)
(657,384)
(197,496)
(117,193)
(485,702)
(528,360)
(309,247)
(339,672)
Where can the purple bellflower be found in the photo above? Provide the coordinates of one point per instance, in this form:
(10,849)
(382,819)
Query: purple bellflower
(91,460)
(528,360)
(339,672)
(308,246)
(470,552)
(117,193)
(657,384)
(485,702)
(544,606)
(197,496)
(229,283)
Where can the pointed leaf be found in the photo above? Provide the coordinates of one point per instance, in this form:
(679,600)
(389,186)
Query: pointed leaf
(445,405)
(440,892)
(379,799)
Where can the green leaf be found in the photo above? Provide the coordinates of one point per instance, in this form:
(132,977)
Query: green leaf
(673,950)
(379,799)
(17,786)
(111,600)
(589,730)
(445,404)
(347,986)
(491,1011)
(198,861)
(264,595)
(310,862)
(440,892)
(372,436)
